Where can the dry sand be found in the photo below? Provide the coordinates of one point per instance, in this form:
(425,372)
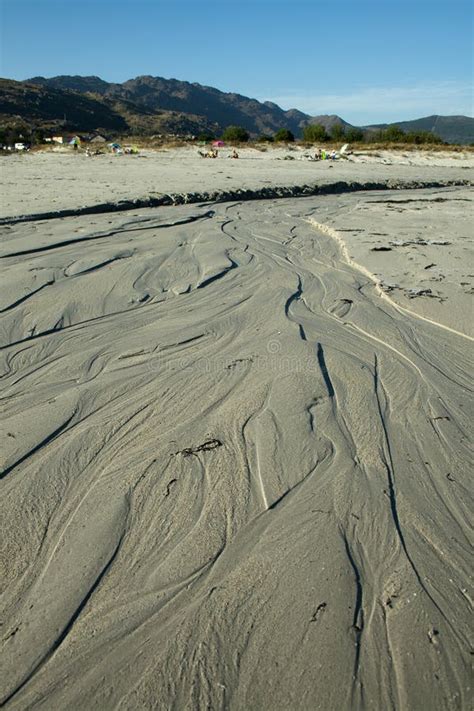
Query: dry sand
(235,446)
(32,183)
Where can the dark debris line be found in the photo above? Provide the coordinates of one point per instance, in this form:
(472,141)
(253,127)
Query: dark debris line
(232,195)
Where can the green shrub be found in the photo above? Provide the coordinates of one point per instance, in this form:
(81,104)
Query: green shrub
(354,135)
(12,134)
(337,132)
(420,137)
(206,136)
(284,135)
(314,133)
(394,134)
(235,134)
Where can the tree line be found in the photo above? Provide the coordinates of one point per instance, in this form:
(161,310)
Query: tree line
(312,133)
(317,133)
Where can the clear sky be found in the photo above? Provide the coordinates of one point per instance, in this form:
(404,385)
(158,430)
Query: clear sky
(367,60)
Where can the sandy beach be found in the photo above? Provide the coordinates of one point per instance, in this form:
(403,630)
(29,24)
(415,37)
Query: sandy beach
(235,434)
(36,183)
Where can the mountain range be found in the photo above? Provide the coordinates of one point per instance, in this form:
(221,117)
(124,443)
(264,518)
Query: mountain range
(150,105)
(452,129)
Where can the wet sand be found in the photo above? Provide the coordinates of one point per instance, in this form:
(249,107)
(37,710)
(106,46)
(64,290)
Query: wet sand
(236,454)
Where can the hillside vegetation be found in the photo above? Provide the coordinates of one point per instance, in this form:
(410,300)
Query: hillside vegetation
(150,105)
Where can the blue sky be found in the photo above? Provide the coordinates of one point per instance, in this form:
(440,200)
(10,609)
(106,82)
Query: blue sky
(366,60)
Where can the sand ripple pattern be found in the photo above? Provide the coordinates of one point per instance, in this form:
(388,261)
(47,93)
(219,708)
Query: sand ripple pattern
(234,476)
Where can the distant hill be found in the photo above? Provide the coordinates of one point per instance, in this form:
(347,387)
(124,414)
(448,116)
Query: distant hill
(452,129)
(328,121)
(37,104)
(218,107)
(151,105)
(94,85)
(42,106)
